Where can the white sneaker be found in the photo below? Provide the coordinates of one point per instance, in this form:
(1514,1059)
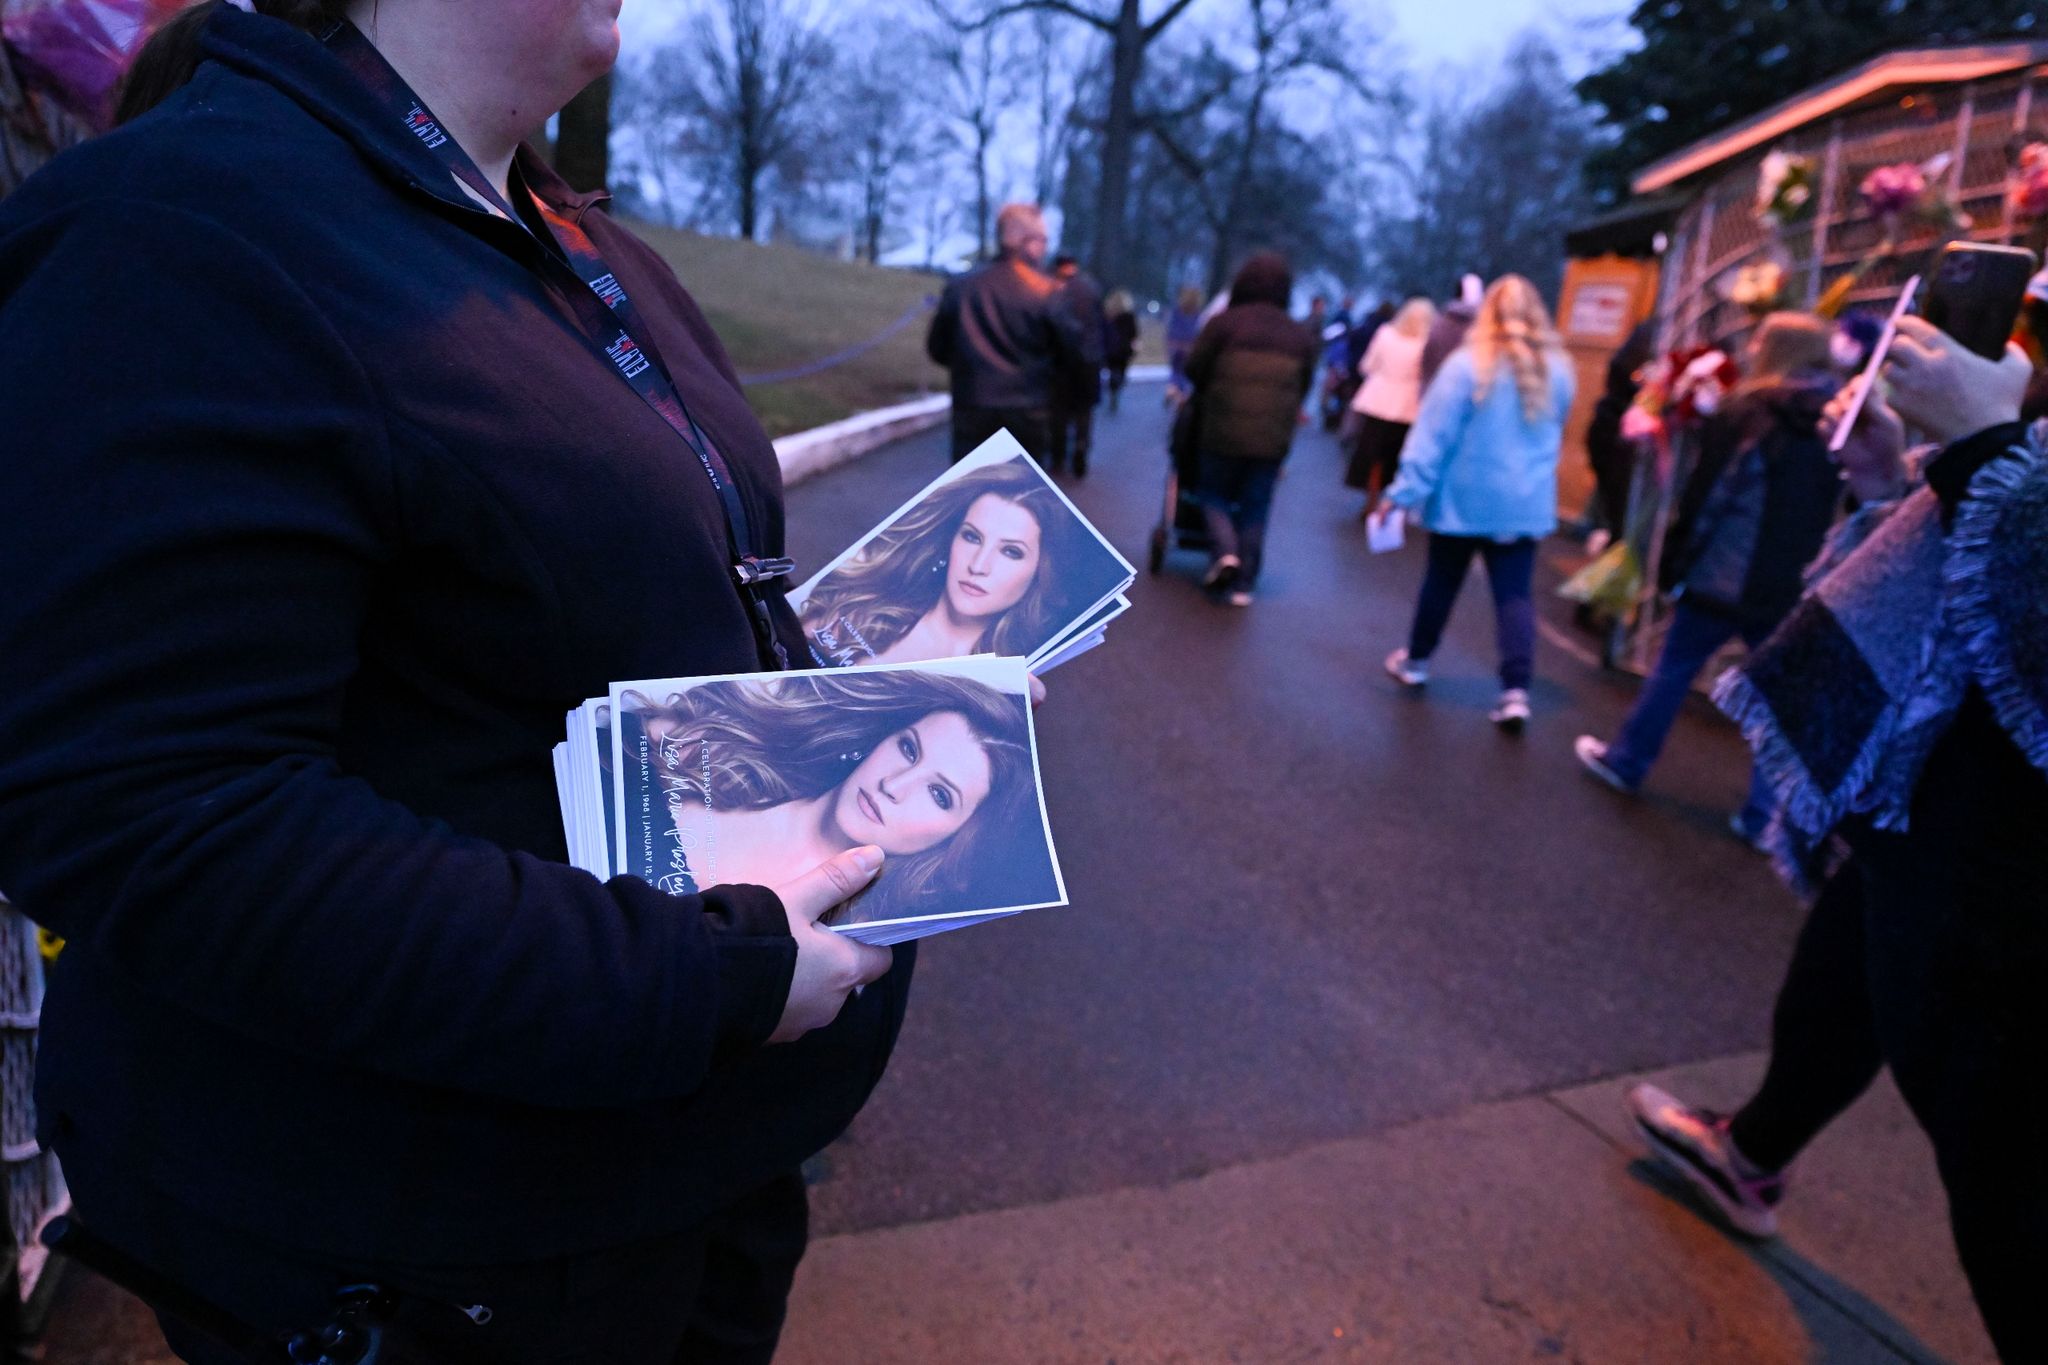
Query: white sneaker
(1406,671)
(1511,712)
(1694,1144)
(1239,597)
(1592,754)
(1222,572)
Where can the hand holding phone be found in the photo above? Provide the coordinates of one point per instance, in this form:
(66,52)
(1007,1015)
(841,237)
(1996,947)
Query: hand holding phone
(1946,391)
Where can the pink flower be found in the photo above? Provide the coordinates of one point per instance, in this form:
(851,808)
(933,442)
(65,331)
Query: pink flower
(1639,424)
(2027,191)
(1890,191)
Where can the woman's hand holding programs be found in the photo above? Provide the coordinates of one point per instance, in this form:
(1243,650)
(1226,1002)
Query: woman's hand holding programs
(829,966)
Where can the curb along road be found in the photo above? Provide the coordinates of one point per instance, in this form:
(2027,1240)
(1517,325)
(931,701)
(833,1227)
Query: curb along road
(807,453)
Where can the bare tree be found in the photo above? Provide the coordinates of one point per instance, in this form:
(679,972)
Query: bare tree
(1488,185)
(743,75)
(1130,36)
(1284,43)
(883,136)
(1056,81)
(583,137)
(974,87)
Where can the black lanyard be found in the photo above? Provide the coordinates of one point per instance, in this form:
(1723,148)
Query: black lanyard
(606,317)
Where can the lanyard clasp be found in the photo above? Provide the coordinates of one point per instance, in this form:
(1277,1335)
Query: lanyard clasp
(753,569)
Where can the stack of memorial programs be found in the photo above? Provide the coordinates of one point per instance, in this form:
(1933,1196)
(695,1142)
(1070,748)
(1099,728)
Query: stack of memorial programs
(989,558)
(916,735)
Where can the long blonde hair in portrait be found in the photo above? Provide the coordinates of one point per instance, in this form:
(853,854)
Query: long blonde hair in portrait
(1513,327)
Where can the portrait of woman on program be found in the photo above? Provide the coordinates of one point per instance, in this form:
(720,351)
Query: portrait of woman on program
(730,780)
(992,561)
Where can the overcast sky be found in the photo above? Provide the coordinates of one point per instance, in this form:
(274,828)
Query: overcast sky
(1434,31)
(1476,31)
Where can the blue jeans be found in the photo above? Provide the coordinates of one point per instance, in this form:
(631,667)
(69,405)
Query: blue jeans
(1695,637)
(1236,496)
(1510,569)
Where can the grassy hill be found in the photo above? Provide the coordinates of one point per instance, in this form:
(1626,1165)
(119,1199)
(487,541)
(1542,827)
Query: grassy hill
(777,306)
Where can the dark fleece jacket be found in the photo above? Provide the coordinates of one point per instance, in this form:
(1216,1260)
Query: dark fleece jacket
(1757,508)
(320,513)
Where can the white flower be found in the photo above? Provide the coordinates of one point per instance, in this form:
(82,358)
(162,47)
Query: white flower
(1798,195)
(1703,369)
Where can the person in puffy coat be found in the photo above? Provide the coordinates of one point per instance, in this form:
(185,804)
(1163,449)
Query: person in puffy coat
(1251,367)
(1753,515)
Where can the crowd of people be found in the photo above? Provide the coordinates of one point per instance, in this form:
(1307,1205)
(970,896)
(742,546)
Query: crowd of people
(1894,690)
(286,649)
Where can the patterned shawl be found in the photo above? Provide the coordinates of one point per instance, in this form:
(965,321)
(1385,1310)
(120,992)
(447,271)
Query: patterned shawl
(1843,704)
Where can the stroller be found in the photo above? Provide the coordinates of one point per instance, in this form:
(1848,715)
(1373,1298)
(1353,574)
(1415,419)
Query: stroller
(1180,522)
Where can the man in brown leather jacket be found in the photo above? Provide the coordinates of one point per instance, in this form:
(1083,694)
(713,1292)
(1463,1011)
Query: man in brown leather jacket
(1002,333)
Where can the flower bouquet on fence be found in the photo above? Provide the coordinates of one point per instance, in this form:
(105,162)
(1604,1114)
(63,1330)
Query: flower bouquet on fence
(1784,190)
(2026,190)
(1676,392)
(1904,197)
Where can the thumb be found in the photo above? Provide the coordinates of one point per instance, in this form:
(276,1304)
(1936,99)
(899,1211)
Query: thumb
(831,882)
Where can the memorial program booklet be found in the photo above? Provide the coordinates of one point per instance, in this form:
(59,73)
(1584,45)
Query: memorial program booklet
(915,732)
(693,782)
(988,558)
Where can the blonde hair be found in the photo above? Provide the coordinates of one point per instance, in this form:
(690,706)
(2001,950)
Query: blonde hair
(1785,344)
(1118,303)
(1513,325)
(1415,319)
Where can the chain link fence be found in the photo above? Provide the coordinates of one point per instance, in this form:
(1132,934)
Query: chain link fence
(1719,232)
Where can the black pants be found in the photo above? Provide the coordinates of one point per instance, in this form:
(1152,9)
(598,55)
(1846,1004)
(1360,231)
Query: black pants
(1236,497)
(973,425)
(1928,953)
(1614,465)
(1073,429)
(714,1295)
(1115,389)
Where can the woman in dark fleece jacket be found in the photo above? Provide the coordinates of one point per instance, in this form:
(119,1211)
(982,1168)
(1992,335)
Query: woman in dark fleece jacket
(1251,368)
(347,449)
(1753,515)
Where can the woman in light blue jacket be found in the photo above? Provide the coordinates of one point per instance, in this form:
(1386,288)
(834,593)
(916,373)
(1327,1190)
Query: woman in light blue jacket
(1480,472)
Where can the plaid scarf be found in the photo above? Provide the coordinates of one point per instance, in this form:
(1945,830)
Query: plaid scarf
(1845,701)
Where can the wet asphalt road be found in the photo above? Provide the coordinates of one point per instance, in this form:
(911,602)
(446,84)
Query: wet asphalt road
(1305,906)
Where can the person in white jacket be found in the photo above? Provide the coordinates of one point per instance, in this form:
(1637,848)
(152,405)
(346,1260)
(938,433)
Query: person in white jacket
(1388,399)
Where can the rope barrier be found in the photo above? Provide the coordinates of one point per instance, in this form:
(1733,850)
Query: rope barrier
(840,357)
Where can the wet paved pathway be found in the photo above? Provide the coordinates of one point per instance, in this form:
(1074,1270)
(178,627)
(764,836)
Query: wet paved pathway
(1321,1062)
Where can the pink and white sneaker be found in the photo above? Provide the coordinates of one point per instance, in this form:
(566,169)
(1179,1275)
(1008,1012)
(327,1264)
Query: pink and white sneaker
(1694,1143)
